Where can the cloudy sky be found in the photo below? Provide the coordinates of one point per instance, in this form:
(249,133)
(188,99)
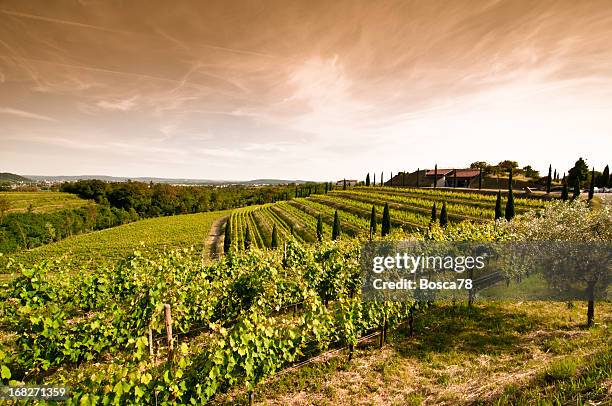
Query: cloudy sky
(301,89)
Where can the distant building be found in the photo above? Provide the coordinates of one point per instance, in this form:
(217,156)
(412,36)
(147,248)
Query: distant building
(453,177)
(349,182)
(445,178)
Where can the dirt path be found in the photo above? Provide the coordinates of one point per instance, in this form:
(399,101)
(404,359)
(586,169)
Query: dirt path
(214,242)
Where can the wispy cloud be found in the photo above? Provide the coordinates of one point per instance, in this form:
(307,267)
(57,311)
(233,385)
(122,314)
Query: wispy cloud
(25,114)
(121,105)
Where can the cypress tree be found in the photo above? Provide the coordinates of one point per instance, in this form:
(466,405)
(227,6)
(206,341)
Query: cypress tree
(564,192)
(227,238)
(296,191)
(344,185)
(480,180)
(374,183)
(326,186)
(576,189)
(373,220)
(455,179)
(381,179)
(604,179)
(418,183)
(435,176)
(403,178)
(555,176)
(549,179)
(247,238)
(367,180)
(274,242)
(510,203)
(592,187)
(391,179)
(385,227)
(498,211)
(434,214)
(336,227)
(443,215)
(319,229)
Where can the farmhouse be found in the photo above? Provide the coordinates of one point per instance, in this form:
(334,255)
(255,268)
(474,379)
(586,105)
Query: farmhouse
(452,177)
(349,182)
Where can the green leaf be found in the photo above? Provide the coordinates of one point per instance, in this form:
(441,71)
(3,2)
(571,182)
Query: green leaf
(6,373)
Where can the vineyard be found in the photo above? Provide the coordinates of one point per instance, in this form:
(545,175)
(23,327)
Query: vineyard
(108,246)
(410,210)
(236,321)
(40,202)
(168,326)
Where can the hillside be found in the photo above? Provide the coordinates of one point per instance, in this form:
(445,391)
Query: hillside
(410,209)
(107,246)
(6,177)
(41,202)
(181,181)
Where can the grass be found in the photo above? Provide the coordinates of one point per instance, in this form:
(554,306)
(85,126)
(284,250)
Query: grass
(108,246)
(496,353)
(40,202)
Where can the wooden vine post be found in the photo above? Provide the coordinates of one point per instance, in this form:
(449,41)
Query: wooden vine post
(168,319)
(150,342)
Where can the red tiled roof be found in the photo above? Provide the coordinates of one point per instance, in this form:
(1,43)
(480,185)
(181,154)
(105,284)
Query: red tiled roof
(467,173)
(461,173)
(441,172)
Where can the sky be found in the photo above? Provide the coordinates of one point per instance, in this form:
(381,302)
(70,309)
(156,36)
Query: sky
(316,90)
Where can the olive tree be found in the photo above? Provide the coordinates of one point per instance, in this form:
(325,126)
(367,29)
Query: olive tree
(576,222)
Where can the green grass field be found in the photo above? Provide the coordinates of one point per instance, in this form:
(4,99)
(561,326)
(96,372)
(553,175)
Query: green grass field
(107,246)
(41,202)
(530,353)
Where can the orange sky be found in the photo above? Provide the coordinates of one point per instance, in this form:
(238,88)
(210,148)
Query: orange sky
(310,90)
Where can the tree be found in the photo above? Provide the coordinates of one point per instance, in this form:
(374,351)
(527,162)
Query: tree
(319,229)
(443,215)
(564,192)
(385,227)
(336,227)
(604,179)
(367,180)
(274,240)
(509,214)
(480,165)
(227,238)
(498,210)
(592,187)
(549,179)
(247,238)
(374,183)
(480,179)
(435,176)
(4,206)
(381,179)
(434,215)
(576,189)
(373,220)
(508,165)
(579,172)
(418,183)
(344,184)
(532,173)
(585,229)
(326,187)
